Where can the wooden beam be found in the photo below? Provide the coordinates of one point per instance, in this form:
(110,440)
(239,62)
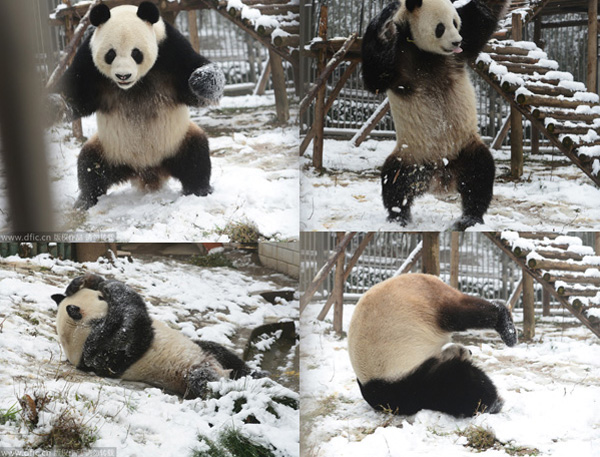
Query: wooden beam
(514,297)
(516,119)
(528,307)
(282,106)
(371,123)
(324,271)
(359,250)
(502,133)
(454,258)
(431,253)
(338,310)
(592,54)
(193,28)
(319,122)
(263,79)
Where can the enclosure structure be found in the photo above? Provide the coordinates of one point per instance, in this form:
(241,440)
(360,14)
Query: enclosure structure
(515,81)
(521,269)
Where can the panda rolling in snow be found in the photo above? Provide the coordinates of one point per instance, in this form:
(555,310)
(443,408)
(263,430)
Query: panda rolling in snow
(139,75)
(103,326)
(400,349)
(417,52)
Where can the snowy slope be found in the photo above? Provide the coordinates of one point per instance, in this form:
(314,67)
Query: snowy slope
(348,195)
(254,176)
(139,420)
(551,389)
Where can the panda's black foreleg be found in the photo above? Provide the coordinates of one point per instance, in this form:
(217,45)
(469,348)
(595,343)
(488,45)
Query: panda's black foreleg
(401,182)
(229,360)
(191,165)
(473,171)
(474,312)
(453,386)
(95,175)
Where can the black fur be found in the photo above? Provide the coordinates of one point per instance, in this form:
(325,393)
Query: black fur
(148,12)
(197,382)
(99,14)
(474,312)
(228,359)
(454,387)
(391,61)
(86,91)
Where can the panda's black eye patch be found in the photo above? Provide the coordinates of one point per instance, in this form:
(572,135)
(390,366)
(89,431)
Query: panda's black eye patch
(137,55)
(439,30)
(110,56)
(455,24)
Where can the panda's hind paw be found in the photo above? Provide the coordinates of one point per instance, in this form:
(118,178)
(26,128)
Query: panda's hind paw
(464,222)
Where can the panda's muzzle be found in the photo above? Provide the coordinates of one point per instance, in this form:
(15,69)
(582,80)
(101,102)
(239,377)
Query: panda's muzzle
(123,78)
(74,312)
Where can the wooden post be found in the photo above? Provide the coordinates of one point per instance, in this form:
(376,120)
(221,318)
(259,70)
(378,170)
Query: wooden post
(90,252)
(193,28)
(319,124)
(282,106)
(516,119)
(338,309)
(76,124)
(431,253)
(597,242)
(454,259)
(263,79)
(537,38)
(545,302)
(528,307)
(592,57)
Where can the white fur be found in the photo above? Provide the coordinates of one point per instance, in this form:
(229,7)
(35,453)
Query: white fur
(394,328)
(71,333)
(140,141)
(424,20)
(432,126)
(123,32)
(168,360)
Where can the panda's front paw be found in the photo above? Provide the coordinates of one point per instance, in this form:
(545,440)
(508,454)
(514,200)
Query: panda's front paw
(207,83)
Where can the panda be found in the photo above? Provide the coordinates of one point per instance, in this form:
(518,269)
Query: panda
(104,326)
(400,349)
(139,75)
(416,51)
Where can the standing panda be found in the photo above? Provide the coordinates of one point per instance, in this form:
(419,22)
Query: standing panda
(417,52)
(139,75)
(103,326)
(400,349)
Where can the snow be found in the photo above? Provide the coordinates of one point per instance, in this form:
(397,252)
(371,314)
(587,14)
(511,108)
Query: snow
(552,195)
(254,176)
(548,385)
(135,418)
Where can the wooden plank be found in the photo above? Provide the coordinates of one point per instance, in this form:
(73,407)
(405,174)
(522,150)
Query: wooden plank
(319,123)
(263,79)
(454,258)
(193,29)
(431,253)
(516,120)
(282,106)
(514,297)
(592,53)
(528,307)
(338,310)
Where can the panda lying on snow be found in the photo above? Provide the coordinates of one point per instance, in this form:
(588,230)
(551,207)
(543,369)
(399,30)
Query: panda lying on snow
(416,51)
(103,326)
(139,75)
(400,350)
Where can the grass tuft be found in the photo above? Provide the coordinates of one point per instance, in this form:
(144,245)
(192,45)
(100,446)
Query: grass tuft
(242,232)
(479,438)
(9,415)
(218,259)
(232,443)
(68,433)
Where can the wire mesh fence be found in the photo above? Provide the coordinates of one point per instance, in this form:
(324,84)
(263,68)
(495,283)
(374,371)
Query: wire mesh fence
(484,270)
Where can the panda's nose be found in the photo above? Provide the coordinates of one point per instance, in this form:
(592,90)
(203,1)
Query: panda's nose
(123,77)
(456,44)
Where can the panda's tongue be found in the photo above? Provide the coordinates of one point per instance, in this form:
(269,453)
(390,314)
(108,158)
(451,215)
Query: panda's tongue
(457,50)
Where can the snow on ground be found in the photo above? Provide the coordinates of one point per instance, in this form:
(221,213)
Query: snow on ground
(551,389)
(347,196)
(136,419)
(254,176)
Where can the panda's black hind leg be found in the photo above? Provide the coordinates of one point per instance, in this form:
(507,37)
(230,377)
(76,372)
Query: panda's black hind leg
(473,171)
(95,175)
(400,184)
(191,165)
(229,360)
(454,386)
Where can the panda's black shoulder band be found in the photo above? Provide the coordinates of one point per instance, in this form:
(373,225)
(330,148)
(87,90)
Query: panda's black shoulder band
(99,14)
(148,12)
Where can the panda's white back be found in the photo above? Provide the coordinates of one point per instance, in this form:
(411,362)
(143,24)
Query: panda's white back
(394,327)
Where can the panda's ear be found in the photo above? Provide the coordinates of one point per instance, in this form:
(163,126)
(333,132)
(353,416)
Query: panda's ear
(148,12)
(58,298)
(99,14)
(412,4)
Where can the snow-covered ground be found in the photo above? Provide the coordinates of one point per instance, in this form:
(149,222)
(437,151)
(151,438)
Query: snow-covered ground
(216,304)
(254,176)
(551,195)
(551,389)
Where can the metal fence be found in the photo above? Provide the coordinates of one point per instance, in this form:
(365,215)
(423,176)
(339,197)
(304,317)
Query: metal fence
(354,105)
(241,57)
(484,270)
